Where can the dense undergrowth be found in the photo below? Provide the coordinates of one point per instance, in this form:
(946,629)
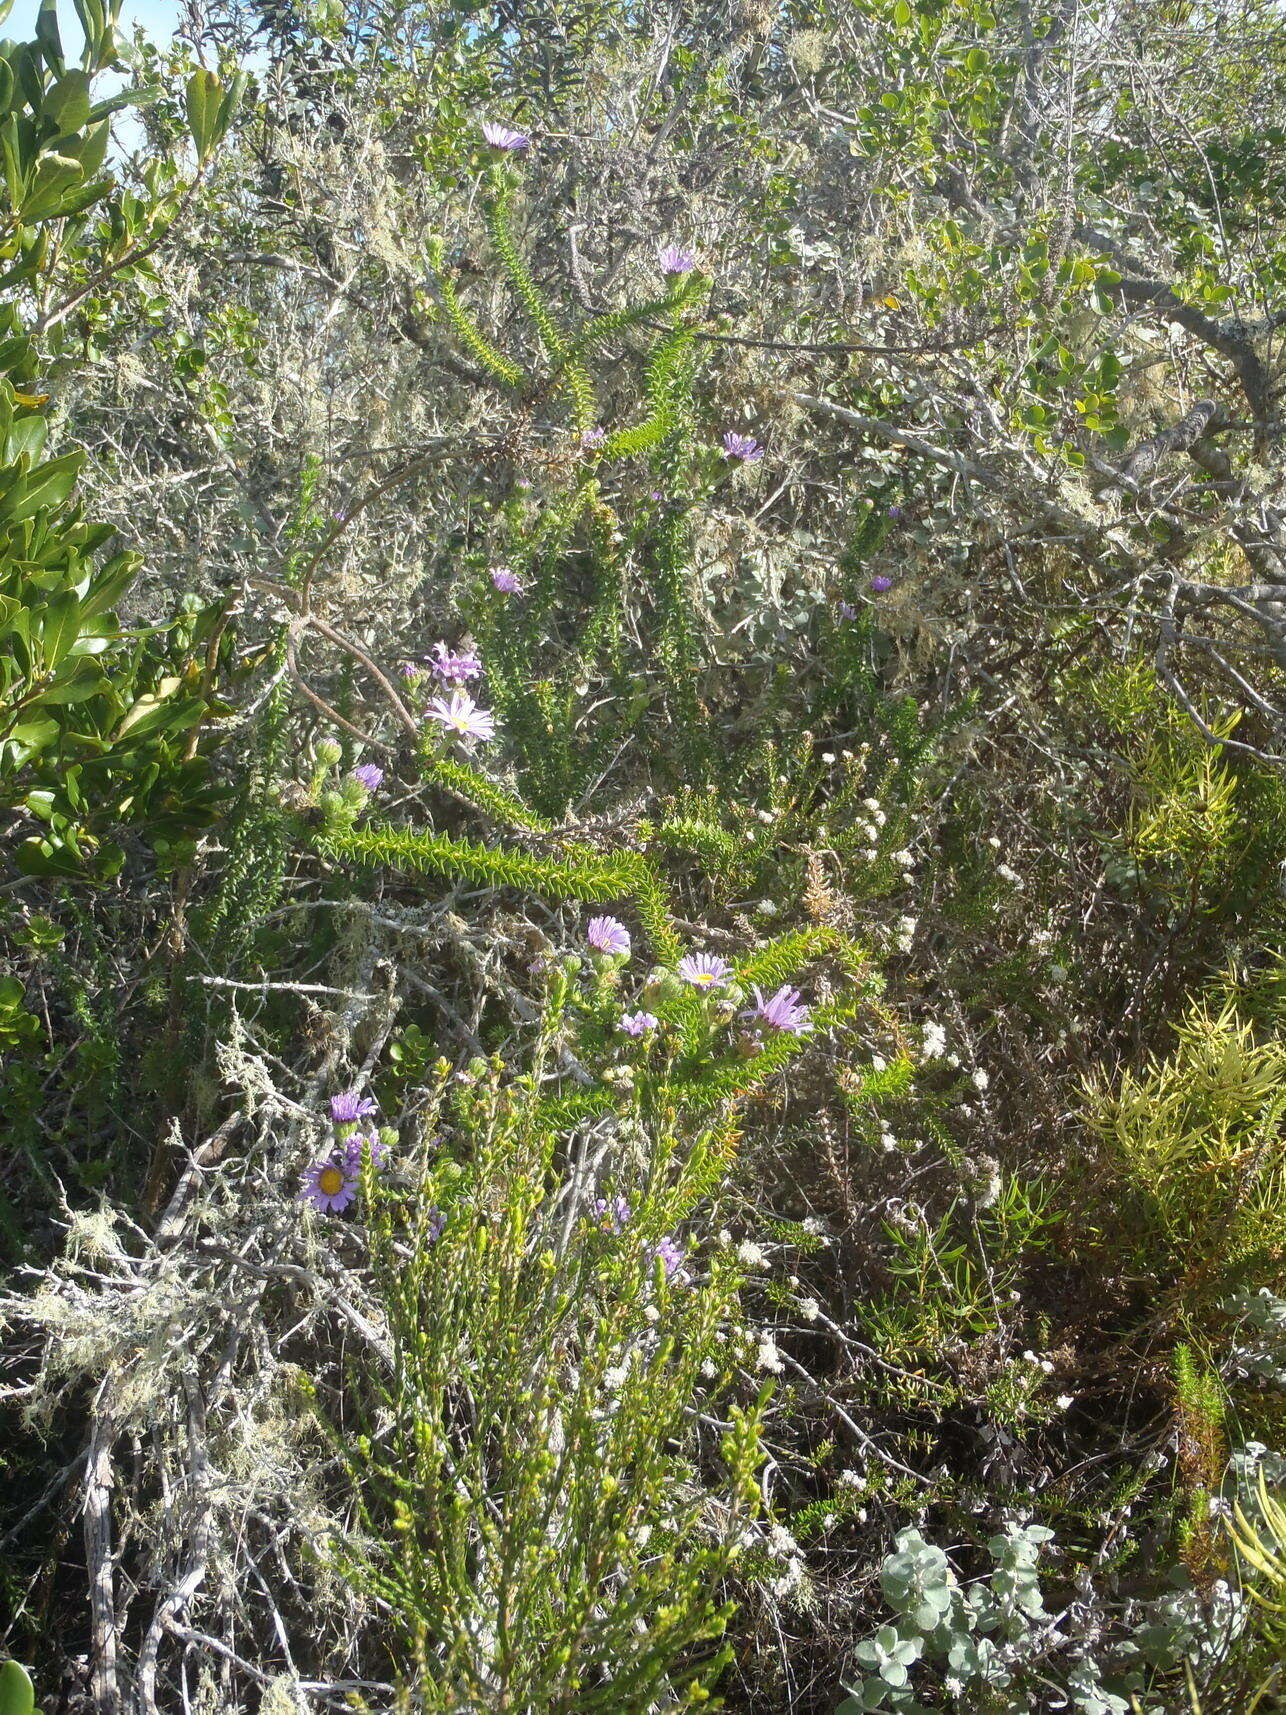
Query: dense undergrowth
(641,988)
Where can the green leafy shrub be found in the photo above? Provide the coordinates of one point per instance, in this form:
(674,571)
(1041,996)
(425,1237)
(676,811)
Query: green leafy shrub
(97,722)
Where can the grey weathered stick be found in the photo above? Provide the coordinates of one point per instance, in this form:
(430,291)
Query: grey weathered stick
(99,1482)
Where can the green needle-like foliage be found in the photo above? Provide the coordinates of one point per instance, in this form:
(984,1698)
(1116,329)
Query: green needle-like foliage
(537,1540)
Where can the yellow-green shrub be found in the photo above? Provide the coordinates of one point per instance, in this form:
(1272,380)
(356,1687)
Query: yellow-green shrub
(1196,1138)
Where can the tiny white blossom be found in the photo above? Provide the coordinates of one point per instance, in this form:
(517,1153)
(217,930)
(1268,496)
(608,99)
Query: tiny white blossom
(981,1079)
(767,1357)
(766,908)
(810,1309)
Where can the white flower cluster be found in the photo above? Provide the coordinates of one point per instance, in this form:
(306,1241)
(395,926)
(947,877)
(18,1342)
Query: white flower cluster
(616,1376)
(905,933)
(767,1357)
(791,1578)
(869,828)
(935,1041)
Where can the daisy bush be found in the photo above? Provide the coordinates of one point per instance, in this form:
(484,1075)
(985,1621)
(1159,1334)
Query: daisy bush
(562,1441)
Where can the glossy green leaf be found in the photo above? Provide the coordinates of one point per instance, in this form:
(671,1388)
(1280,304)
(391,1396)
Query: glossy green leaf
(17,1696)
(48,486)
(59,627)
(67,103)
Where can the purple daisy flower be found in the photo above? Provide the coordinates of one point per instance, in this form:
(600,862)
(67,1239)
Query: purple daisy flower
(612,1216)
(329,1186)
(355,1148)
(592,439)
(670,1256)
(676,260)
(880,583)
(349,1106)
(463,717)
(434,1224)
(705,970)
(743,447)
(447,664)
(504,137)
(895,511)
(782,1011)
(607,935)
(846,610)
(638,1023)
(655,494)
(370,775)
(410,670)
(506,581)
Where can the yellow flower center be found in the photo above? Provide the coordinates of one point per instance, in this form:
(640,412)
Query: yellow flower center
(331,1181)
